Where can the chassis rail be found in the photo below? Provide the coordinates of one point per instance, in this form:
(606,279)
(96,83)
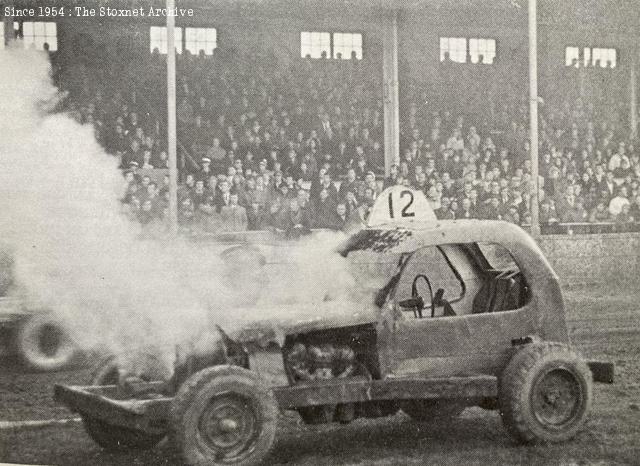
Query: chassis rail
(151,414)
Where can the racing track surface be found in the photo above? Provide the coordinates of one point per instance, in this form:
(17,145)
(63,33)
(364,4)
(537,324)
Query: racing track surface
(604,323)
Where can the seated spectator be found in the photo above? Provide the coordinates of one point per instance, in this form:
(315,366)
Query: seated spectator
(324,210)
(340,217)
(298,221)
(618,202)
(600,213)
(624,220)
(233,217)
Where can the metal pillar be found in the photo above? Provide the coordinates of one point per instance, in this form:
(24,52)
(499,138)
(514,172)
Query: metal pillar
(8,30)
(533,114)
(633,112)
(171,119)
(391,92)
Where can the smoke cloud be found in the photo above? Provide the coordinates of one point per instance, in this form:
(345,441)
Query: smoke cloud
(76,254)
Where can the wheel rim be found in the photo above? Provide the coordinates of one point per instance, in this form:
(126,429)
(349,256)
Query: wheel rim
(50,340)
(229,427)
(557,398)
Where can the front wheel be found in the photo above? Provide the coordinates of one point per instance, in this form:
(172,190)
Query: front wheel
(109,371)
(545,393)
(224,415)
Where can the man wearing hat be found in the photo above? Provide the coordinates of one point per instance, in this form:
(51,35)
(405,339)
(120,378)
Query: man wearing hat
(205,171)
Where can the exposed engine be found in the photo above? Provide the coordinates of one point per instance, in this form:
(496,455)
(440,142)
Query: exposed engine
(317,362)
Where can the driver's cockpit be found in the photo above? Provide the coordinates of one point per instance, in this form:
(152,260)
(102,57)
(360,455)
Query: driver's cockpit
(456,280)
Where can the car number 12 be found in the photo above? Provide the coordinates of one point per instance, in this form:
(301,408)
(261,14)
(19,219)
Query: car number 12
(405,212)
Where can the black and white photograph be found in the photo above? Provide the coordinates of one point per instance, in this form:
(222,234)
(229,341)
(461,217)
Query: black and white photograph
(319,232)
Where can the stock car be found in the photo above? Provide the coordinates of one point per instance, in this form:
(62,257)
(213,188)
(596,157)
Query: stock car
(464,313)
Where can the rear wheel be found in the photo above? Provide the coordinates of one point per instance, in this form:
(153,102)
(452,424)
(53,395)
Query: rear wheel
(43,345)
(545,393)
(109,372)
(224,415)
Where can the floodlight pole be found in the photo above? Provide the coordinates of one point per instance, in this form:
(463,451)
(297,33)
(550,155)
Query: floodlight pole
(171,119)
(533,114)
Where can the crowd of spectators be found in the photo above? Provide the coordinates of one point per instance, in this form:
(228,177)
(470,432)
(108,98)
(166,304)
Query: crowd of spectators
(263,146)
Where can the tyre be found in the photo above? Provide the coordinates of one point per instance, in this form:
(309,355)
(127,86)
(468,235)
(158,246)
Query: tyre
(224,415)
(431,410)
(107,372)
(43,345)
(545,393)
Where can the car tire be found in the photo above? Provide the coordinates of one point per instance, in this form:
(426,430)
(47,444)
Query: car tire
(43,345)
(224,415)
(431,410)
(545,393)
(118,438)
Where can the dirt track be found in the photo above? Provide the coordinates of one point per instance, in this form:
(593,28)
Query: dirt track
(605,324)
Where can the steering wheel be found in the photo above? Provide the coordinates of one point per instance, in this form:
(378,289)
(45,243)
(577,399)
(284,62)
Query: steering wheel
(416,302)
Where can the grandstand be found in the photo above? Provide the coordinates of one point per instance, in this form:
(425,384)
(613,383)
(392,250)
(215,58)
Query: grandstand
(295,116)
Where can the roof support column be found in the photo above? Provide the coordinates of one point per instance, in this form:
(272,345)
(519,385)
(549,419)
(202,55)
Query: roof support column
(171,119)
(391,91)
(533,114)
(633,78)
(8,30)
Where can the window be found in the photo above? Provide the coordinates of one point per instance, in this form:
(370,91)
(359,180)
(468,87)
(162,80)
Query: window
(485,48)
(37,33)
(158,39)
(455,48)
(197,39)
(591,57)
(604,58)
(572,56)
(344,44)
(334,44)
(463,50)
(314,43)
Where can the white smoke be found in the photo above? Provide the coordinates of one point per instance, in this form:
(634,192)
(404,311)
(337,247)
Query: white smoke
(75,253)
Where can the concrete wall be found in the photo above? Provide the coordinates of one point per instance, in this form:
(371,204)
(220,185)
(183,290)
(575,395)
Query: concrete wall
(590,259)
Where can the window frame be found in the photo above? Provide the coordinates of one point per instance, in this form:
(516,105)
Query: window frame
(331,53)
(33,38)
(587,56)
(468,56)
(485,55)
(209,51)
(178,32)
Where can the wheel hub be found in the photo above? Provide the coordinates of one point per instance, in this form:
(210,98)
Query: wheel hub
(228,426)
(556,398)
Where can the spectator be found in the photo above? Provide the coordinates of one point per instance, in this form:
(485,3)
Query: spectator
(297,220)
(618,202)
(233,217)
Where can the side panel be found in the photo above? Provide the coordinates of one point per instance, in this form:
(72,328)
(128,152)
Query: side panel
(466,345)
